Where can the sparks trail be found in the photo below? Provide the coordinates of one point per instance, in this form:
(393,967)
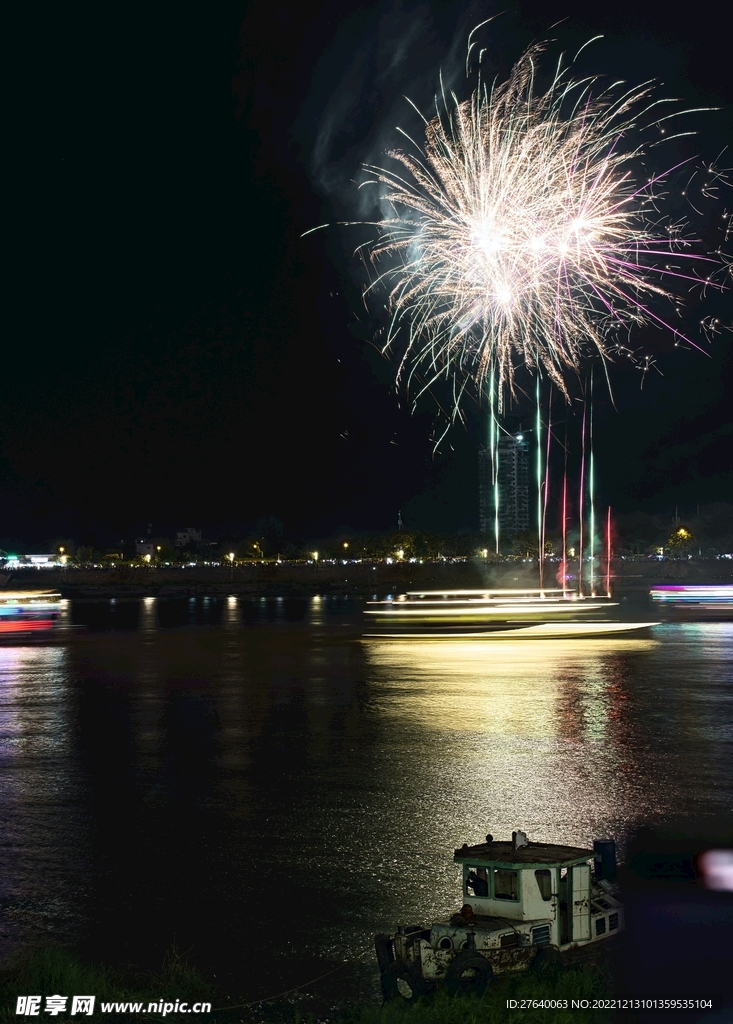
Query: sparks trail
(521,234)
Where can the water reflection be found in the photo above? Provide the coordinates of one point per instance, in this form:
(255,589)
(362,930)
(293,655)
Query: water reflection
(232,617)
(148,615)
(64,621)
(41,807)
(186,767)
(505,688)
(317,611)
(568,740)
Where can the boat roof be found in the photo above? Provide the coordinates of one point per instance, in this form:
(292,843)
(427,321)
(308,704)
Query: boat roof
(531,853)
(27,595)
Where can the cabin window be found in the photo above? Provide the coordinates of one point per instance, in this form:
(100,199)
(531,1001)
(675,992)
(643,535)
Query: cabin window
(477,883)
(600,926)
(505,884)
(544,881)
(509,939)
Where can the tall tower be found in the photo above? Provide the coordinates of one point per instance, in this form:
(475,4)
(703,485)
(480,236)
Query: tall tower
(513,480)
(513,483)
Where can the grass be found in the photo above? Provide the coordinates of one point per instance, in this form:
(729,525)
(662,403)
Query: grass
(53,970)
(49,970)
(587,982)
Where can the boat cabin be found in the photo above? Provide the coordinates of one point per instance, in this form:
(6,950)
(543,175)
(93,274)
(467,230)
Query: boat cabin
(517,898)
(523,881)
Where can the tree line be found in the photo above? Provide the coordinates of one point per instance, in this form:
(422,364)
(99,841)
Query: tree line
(707,532)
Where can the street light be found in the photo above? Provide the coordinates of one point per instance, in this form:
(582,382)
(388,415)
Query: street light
(230,556)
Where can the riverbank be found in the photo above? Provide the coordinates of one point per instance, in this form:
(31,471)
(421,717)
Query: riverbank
(630,578)
(53,970)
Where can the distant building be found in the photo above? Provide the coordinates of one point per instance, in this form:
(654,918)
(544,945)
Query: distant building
(513,480)
(144,546)
(40,561)
(513,483)
(32,561)
(187,536)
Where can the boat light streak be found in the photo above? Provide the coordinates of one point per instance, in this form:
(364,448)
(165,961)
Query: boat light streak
(715,596)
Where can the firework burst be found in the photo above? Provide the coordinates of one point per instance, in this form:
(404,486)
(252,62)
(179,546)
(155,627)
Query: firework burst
(522,234)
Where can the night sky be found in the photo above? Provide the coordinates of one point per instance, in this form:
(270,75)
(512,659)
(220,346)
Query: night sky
(176,353)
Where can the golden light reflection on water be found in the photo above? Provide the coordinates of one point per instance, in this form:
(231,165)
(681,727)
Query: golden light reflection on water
(516,735)
(507,688)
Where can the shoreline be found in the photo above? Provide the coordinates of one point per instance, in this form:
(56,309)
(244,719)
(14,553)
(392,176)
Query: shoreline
(631,579)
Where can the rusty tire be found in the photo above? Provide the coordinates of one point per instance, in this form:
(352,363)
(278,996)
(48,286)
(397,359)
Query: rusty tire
(384,948)
(469,974)
(403,981)
(548,961)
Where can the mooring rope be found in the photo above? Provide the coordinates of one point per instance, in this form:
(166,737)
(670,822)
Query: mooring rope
(287,992)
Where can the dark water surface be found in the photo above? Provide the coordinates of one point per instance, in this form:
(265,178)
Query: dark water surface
(250,780)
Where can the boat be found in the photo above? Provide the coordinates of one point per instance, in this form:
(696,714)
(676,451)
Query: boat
(28,613)
(516,614)
(694,602)
(525,905)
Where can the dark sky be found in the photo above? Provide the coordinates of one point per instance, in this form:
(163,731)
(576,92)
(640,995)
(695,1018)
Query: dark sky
(175,353)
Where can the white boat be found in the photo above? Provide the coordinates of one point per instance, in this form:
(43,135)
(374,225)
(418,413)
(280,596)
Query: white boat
(525,906)
(26,613)
(495,615)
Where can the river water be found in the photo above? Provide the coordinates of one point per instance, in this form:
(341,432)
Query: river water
(249,780)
